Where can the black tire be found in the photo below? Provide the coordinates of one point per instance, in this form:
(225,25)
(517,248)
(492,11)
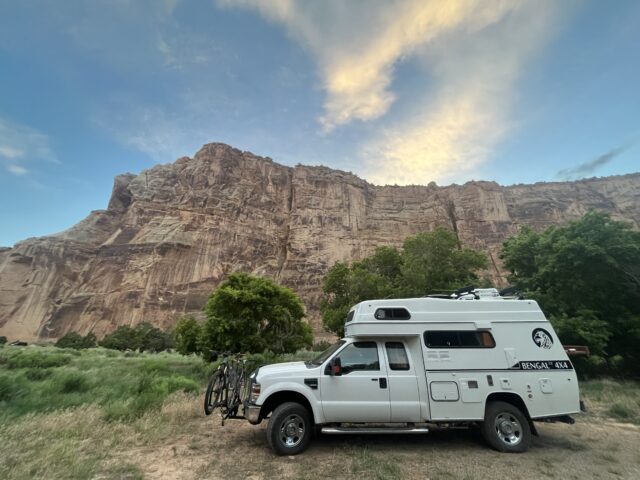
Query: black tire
(213,395)
(290,429)
(506,428)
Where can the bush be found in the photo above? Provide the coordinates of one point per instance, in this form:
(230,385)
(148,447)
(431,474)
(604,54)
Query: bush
(3,340)
(144,337)
(77,341)
(71,382)
(187,336)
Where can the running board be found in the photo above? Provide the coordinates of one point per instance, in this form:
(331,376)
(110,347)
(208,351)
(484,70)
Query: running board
(370,430)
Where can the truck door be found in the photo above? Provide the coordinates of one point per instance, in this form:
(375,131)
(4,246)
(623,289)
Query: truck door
(361,393)
(403,383)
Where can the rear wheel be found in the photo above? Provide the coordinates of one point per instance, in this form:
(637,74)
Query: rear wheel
(290,429)
(506,428)
(213,395)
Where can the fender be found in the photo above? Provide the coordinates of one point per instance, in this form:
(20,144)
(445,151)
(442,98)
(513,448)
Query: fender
(310,395)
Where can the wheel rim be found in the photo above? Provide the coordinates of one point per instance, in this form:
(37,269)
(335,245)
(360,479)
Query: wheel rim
(292,431)
(508,429)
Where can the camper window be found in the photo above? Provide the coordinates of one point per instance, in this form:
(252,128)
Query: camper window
(392,314)
(458,339)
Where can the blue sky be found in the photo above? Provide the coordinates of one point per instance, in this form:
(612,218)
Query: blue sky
(398,92)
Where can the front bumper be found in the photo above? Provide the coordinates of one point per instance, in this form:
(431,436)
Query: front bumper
(252,413)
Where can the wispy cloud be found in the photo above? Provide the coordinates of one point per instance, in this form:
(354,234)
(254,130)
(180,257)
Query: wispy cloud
(589,167)
(357,44)
(473,50)
(21,145)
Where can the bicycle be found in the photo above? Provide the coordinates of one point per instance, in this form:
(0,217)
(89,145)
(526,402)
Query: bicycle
(228,387)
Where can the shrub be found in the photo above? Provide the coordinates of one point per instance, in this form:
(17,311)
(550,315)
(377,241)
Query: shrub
(3,340)
(187,335)
(144,337)
(77,341)
(71,382)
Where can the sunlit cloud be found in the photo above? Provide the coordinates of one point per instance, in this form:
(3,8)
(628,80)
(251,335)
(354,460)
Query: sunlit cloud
(473,50)
(21,145)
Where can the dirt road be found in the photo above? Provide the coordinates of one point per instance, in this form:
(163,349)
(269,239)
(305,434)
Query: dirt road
(591,448)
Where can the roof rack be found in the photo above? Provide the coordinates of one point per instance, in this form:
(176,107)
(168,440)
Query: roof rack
(472,293)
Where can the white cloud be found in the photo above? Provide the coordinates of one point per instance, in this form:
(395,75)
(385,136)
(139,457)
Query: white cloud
(20,145)
(357,44)
(474,51)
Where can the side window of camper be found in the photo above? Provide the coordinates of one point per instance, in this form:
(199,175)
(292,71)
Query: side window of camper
(392,314)
(459,339)
(398,359)
(360,356)
(350,316)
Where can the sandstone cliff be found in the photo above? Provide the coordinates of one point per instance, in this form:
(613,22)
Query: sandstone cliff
(172,233)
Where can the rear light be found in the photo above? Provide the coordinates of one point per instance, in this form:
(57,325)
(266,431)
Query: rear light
(255,392)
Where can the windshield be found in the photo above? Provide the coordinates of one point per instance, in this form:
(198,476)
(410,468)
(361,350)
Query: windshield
(320,359)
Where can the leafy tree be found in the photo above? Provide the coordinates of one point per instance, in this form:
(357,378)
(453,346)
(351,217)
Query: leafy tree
(252,314)
(152,339)
(77,341)
(187,336)
(428,262)
(586,276)
(434,261)
(122,338)
(3,340)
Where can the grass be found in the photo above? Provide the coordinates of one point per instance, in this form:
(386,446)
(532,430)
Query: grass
(84,414)
(124,385)
(616,399)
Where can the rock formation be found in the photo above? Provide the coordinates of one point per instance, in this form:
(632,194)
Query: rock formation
(173,232)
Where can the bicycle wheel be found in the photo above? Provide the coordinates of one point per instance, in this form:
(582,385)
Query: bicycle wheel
(215,391)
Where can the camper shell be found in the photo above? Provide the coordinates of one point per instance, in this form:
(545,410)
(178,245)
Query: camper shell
(475,358)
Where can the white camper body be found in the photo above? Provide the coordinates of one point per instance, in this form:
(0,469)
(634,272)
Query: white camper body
(405,363)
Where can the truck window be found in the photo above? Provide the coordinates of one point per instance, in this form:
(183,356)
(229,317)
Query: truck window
(398,359)
(360,356)
(350,316)
(392,314)
(458,339)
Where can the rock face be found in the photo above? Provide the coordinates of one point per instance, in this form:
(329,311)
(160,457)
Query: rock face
(172,233)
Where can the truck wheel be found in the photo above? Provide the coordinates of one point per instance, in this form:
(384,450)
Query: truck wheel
(290,429)
(506,428)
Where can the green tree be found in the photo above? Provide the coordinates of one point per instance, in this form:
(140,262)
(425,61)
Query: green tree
(152,339)
(187,336)
(253,314)
(3,340)
(434,261)
(428,262)
(122,338)
(586,276)
(77,341)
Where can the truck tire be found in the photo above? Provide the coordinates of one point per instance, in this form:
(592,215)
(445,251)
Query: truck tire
(506,428)
(290,429)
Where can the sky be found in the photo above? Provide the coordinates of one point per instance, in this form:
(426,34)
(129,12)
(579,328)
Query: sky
(398,92)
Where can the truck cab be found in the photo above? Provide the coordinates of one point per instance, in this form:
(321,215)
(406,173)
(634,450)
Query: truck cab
(406,364)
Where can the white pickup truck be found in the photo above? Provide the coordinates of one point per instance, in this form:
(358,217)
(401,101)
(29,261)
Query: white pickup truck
(479,359)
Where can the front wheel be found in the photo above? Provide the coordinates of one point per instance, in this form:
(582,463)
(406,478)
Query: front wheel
(506,428)
(290,429)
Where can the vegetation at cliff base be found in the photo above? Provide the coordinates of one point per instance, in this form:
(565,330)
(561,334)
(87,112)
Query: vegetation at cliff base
(143,337)
(586,277)
(428,263)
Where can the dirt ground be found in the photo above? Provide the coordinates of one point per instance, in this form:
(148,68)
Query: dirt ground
(592,448)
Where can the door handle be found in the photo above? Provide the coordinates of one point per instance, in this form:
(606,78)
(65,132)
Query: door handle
(383,382)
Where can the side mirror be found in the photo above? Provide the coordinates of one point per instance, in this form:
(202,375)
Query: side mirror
(335,367)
